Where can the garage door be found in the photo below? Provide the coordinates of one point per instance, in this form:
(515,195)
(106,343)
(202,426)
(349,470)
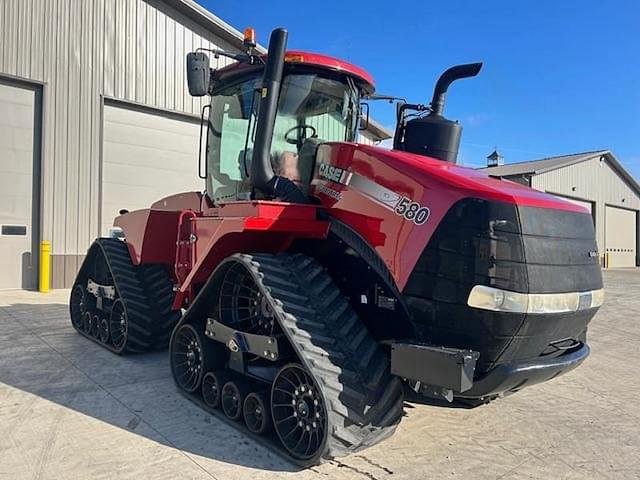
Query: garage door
(145,157)
(620,236)
(16,179)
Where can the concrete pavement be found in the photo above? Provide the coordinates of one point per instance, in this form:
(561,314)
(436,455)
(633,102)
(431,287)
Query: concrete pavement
(71,410)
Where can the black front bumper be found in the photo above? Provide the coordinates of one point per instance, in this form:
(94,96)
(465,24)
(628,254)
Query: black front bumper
(509,378)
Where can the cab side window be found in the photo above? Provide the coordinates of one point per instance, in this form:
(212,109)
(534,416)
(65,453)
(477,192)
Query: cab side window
(230,141)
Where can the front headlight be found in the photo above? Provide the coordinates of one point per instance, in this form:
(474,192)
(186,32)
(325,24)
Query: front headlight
(489,298)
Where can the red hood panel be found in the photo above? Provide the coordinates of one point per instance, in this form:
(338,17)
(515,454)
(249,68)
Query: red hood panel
(470,182)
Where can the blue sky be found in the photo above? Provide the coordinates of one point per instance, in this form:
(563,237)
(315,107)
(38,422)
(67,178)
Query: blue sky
(559,76)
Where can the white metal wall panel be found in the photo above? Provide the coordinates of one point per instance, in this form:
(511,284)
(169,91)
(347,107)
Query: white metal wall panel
(366,138)
(620,236)
(146,157)
(16,180)
(595,180)
(131,50)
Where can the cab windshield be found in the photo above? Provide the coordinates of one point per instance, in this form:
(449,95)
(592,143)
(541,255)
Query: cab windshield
(311,109)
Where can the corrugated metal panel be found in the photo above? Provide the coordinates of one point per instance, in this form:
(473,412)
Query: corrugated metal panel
(593,180)
(82,50)
(366,138)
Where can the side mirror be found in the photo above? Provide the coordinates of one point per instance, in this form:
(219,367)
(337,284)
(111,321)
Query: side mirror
(198,73)
(364,116)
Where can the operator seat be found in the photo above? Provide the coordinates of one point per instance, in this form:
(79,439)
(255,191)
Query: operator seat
(307,161)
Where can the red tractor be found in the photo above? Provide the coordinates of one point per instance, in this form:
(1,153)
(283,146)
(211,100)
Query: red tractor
(317,279)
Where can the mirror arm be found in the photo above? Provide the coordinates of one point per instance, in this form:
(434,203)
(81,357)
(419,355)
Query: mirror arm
(238,57)
(389,98)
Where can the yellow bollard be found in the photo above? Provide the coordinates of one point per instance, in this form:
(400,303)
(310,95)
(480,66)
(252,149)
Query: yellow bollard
(45,265)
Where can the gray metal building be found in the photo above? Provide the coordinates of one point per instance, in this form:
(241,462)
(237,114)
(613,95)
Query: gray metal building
(94,115)
(597,181)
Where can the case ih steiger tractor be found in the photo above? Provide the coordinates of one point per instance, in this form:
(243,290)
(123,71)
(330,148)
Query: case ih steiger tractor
(316,279)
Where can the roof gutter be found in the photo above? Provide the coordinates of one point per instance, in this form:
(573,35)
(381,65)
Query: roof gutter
(210,22)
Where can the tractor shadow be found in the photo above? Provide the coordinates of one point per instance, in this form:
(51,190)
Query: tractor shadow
(41,354)
(412,398)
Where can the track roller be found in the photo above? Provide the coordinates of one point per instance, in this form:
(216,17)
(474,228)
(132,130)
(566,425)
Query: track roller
(256,412)
(232,398)
(95,326)
(212,384)
(87,320)
(103,330)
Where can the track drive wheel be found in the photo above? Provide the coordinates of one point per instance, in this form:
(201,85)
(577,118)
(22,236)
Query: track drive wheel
(298,411)
(187,358)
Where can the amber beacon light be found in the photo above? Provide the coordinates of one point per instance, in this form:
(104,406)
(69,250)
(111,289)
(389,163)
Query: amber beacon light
(250,37)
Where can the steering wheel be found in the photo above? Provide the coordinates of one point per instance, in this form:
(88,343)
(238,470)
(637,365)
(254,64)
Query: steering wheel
(299,139)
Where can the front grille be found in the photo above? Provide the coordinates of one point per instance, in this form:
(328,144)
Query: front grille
(521,249)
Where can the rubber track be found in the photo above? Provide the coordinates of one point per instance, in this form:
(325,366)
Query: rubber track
(158,287)
(149,324)
(364,401)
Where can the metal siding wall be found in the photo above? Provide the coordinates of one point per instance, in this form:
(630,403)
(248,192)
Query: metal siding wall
(83,50)
(365,137)
(595,181)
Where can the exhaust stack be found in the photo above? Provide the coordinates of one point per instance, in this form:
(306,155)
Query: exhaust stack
(434,135)
(262,176)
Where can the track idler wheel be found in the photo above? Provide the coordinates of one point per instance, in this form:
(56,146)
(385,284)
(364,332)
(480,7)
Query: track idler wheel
(79,306)
(232,399)
(187,358)
(299,414)
(212,384)
(257,412)
(118,325)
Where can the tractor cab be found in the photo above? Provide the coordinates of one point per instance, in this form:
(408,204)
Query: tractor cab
(316,100)
(313,107)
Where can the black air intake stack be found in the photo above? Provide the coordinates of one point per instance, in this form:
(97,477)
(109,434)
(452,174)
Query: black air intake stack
(434,135)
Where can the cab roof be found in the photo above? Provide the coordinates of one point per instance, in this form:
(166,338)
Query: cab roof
(313,59)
